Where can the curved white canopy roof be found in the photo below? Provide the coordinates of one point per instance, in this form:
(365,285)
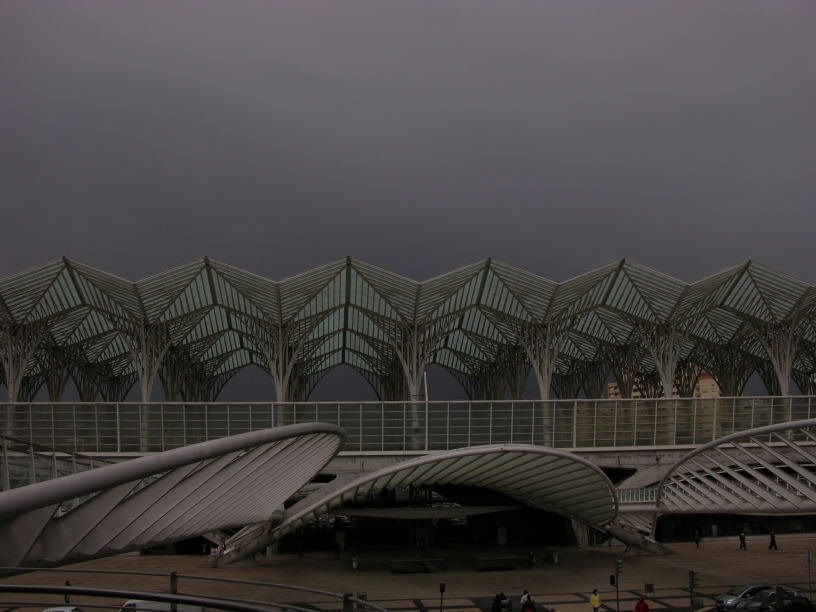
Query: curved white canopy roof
(539,477)
(164,497)
(765,470)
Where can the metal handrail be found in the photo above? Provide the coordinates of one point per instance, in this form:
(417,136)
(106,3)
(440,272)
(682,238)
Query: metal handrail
(382,427)
(178,597)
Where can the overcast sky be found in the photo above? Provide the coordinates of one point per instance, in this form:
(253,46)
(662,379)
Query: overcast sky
(557,136)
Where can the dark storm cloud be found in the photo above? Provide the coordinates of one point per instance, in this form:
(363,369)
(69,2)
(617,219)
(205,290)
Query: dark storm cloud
(421,136)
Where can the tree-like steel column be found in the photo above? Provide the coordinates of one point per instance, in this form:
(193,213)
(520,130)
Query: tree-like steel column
(149,343)
(625,360)
(804,368)
(516,370)
(686,376)
(781,342)
(767,373)
(729,364)
(567,385)
(594,377)
(88,379)
(19,342)
(283,345)
(542,344)
(116,387)
(662,340)
(55,362)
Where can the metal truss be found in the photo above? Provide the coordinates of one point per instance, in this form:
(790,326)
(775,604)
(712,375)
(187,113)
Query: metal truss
(767,470)
(161,498)
(489,324)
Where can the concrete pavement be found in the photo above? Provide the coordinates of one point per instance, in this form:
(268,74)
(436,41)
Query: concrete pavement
(564,586)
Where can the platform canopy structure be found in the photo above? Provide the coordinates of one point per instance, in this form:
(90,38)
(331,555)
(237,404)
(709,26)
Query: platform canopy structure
(162,498)
(767,470)
(489,324)
(543,478)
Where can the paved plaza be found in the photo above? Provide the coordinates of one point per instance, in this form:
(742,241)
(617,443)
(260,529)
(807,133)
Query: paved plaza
(564,586)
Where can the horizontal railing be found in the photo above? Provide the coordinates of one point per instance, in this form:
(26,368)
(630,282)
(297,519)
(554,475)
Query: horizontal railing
(403,426)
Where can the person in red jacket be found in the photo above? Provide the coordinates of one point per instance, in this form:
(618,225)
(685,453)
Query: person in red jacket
(641,605)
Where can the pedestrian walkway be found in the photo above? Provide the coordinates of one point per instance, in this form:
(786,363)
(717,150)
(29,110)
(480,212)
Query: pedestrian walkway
(564,586)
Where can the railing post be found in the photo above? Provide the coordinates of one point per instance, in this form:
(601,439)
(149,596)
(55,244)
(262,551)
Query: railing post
(654,436)
(532,423)
(490,426)
(674,436)
(753,408)
(33,466)
(595,424)
(615,425)
(118,430)
(426,422)
(469,421)
(575,423)
(694,422)
(716,418)
(382,426)
(447,426)
(6,479)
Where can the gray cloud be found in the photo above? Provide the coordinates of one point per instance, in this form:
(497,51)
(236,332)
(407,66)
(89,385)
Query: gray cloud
(420,136)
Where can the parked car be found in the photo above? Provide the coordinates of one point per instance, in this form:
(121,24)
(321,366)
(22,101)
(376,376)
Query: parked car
(739,593)
(778,599)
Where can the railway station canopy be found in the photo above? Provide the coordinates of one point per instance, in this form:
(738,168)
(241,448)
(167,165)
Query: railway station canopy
(490,325)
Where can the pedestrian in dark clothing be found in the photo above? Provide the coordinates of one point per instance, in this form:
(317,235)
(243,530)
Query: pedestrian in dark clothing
(497,603)
(742,540)
(772,545)
(697,538)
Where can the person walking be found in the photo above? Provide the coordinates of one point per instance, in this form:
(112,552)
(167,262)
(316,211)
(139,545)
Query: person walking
(697,537)
(772,545)
(525,601)
(742,540)
(595,600)
(641,605)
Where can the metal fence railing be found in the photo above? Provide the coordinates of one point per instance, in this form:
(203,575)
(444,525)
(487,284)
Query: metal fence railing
(403,426)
